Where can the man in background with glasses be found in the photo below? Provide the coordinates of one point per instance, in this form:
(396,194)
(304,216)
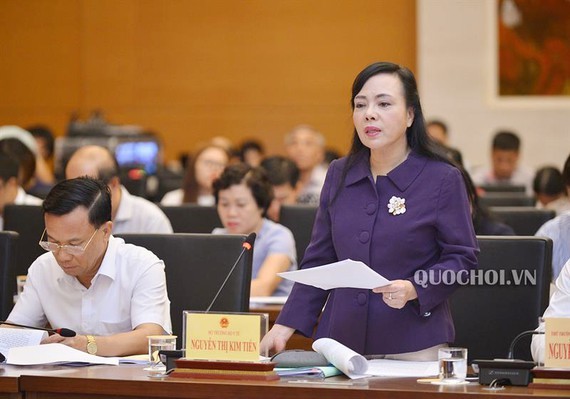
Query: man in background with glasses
(111,293)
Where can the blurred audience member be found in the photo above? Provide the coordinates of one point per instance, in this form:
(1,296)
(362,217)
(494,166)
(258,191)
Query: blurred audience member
(37,175)
(306,147)
(252,152)
(283,175)
(550,190)
(44,177)
(201,171)
(130,214)
(484,223)
(438,131)
(505,169)
(44,140)
(243,195)
(10,190)
(558,230)
(226,143)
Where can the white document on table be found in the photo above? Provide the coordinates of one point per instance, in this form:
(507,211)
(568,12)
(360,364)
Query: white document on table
(402,368)
(355,365)
(54,354)
(15,337)
(344,274)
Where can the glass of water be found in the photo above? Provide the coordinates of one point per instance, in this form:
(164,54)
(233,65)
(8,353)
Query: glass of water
(157,343)
(452,365)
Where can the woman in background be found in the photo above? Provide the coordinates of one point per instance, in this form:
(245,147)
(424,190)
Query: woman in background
(202,170)
(243,195)
(550,190)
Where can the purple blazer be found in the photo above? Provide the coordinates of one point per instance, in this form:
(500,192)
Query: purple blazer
(435,233)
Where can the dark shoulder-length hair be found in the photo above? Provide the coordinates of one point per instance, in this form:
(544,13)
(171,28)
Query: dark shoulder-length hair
(416,135)
(254,178)
(190,184)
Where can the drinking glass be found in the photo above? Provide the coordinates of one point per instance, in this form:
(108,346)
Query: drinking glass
(452,365)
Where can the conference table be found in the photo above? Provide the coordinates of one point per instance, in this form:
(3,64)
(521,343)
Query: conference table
(131,381)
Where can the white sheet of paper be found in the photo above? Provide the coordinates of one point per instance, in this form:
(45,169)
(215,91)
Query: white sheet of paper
(344,274)
(54,354)
(267,300)
(14,337)
(401,368)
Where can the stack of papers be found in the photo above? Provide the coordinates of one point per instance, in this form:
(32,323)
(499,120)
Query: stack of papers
(54,354)
(356,366)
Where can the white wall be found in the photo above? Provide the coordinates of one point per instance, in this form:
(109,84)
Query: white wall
(455,67)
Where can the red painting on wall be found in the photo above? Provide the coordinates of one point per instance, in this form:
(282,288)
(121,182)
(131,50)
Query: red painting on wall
(534,47)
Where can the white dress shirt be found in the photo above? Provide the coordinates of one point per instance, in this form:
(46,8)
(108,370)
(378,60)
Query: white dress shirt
(558,230)
(138,215)
(176,198)
(559,307)
(128,290)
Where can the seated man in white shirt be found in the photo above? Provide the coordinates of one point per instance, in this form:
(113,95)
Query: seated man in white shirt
(131,214)
(559,307)
(112,294)
(10,190)
(505,168)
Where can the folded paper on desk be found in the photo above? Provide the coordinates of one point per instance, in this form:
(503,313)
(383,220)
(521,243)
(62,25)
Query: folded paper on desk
(54,354)
(16,337)
(344,274)
(356,366)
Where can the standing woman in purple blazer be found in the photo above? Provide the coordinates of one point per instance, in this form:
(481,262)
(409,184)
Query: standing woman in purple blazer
(400,207)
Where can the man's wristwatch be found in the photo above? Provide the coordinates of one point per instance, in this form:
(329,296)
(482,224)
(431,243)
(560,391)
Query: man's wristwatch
(91,345)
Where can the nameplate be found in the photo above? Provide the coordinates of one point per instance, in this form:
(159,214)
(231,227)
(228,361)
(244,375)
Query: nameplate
(227,336)
(557,347)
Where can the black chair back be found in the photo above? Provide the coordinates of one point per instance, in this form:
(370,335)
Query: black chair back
(506,199)
(8,249)
(525,221)
(192,218)
(490,314)
(299,219)
(196,266)
(28,222)
(502,188)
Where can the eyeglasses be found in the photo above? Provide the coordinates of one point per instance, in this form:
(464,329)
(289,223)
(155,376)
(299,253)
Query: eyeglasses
(70,249)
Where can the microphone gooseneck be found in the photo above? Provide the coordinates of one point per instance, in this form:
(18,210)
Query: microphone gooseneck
(510,355)
(246,246)
(64,332)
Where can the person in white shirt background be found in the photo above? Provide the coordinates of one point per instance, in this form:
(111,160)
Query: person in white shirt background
(306,147)
(131,214)
(505,164)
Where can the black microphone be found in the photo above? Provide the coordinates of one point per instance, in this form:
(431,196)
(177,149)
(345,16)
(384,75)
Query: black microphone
(64,332)
(510,355)
(246,246)
(507,371)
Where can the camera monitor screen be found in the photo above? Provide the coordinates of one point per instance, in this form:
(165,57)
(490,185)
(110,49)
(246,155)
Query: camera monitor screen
(142,153)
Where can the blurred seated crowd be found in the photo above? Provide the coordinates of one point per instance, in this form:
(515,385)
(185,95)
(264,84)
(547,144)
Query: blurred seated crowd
(249,186)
